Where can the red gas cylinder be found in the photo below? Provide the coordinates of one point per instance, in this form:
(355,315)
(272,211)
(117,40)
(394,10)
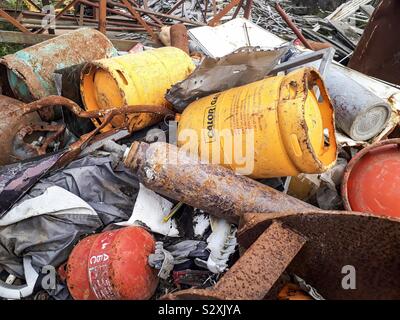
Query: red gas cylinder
(371,181)
(113,265)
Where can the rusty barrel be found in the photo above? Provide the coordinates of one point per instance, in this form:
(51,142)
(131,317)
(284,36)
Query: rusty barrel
(113,265)
(170,171)
(30,71)
(371,181)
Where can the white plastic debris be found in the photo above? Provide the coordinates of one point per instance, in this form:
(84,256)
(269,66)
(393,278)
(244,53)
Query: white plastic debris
(201,222)
(221,243)
(150,210)
(219,41)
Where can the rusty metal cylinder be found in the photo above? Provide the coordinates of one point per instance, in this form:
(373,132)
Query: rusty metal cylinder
(30,71)
(359,112)
(179,37)
(166,169)
(113,265)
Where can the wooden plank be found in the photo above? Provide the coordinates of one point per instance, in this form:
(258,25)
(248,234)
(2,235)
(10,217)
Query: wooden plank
(31,39)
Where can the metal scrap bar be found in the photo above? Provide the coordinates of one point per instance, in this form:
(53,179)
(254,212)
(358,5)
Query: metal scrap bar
(255,273)
(304,59)
(110,19)
(31,39)
(103,16)
(151,16)
(247,9)
(292,26)
(137,16)
(13,21)
(214,21)
(158,14)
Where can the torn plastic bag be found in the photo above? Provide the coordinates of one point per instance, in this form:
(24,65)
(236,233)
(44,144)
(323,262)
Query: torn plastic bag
(186,252)
(44,229)
(109,190)
(245,65)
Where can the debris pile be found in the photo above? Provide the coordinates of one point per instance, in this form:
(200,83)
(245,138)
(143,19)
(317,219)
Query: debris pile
(233,153)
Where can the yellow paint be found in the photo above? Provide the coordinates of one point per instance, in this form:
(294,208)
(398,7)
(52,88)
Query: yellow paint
(134,79)
(287,121)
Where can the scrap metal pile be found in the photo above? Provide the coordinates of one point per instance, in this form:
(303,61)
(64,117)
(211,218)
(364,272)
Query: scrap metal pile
(224,160)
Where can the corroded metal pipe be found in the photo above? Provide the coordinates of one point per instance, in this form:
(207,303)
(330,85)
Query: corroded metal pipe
(169,171)
(292,26)
(179,37)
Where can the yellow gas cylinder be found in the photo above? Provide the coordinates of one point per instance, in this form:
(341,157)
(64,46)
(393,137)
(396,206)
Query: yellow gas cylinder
(269,128)
(134,79)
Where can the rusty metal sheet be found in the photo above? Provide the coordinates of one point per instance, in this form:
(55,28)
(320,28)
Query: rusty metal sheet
(336,239)
(377,53)
(254,274)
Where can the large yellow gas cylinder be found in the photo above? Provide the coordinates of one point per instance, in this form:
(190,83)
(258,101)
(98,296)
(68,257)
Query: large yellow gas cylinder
(134,79)
(269,128)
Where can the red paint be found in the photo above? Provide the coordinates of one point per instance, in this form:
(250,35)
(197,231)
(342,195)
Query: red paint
(113,266)
(372,180)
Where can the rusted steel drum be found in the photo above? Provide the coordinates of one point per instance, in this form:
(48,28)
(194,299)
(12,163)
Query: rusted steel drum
(113,265)
(12,121)
(371,182)
(30,71)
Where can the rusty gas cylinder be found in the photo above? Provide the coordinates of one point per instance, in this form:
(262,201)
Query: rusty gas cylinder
(113,265)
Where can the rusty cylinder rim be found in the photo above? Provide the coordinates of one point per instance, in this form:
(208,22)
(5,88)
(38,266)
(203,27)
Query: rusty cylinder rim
(355,160)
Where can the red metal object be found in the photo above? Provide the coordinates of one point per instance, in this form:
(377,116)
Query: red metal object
(371,181)
(113,265)
(77,270)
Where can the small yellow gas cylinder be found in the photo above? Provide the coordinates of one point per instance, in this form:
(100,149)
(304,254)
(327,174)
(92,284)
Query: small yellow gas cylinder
(134,79)
(269,128)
